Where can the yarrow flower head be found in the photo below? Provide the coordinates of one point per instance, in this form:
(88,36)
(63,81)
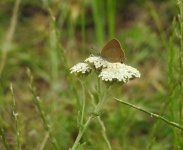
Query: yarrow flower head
(117,72)
(108,65)
(96,61)
(81,68)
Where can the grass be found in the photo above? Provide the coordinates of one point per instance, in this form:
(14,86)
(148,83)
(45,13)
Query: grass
(39,107)
(15,114)
(98,15)
(111,5)
(57,111)
(9,36)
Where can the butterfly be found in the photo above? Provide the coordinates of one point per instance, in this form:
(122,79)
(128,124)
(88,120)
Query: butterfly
(113,52)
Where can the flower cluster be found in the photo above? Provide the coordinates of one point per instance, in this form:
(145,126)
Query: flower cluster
(109,72)
(81,68)
(118,72)
(96,61)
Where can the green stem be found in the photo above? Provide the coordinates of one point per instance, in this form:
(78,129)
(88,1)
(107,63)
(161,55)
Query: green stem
(174,124)
(15,114)
(45,122)
(3,138)
(81,132)
(83,30)
(180,4)
(111,17)
(158,23)
(98,17)
(98,87)
(96,111)
(37,102)
(44,141)
(9,37)
(104,134)
(83,104)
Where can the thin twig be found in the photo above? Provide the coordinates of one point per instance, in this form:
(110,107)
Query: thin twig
(174,124)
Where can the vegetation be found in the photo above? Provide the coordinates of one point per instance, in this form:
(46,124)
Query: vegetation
(44,106)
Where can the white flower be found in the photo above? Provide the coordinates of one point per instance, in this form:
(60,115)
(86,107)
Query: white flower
(80,68)
(97,61)
(118,72)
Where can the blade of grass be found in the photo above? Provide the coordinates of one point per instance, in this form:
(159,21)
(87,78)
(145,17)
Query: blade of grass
(15,114)
(2,104)
(44,141)
(158,23)
(64,60)
(111,11)
(3,137)
(72,29)
(53,47)
(172,73)
(38,105)
(9,36)
(171,84)
(83,22)
(171,78)
(53,51)
(98,16)
(180,19)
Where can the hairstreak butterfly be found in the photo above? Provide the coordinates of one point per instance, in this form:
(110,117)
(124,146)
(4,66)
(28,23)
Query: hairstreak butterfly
(113,52)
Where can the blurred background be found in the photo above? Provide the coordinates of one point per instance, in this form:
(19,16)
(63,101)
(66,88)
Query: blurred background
(50,36)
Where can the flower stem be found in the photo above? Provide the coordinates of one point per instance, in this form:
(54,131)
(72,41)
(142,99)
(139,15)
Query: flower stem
(104,132)
(83,104)
(81,132)
(97,109)
(174,124)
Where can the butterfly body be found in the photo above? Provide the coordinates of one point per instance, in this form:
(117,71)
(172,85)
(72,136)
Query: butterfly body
(113,52)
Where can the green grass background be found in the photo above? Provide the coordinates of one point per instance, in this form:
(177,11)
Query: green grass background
(50,36)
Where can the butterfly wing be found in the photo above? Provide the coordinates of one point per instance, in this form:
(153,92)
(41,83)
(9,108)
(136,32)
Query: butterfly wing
(113,52)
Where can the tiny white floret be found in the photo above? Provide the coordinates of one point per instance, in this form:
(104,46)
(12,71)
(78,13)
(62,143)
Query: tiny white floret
(97,61)
(118,72)
(80,68)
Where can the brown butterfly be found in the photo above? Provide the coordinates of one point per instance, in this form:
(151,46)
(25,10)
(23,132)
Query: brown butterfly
(113,52)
